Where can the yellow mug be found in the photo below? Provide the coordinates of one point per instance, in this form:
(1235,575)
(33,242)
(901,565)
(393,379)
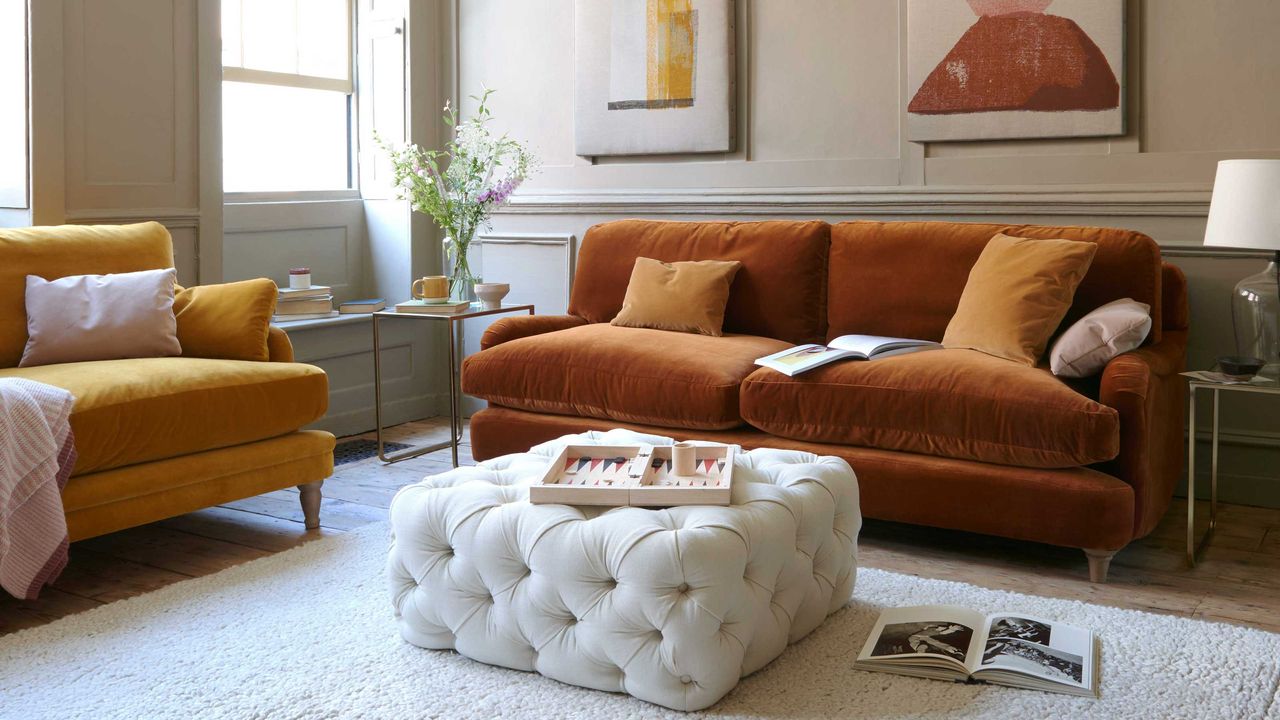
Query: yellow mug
(434,287)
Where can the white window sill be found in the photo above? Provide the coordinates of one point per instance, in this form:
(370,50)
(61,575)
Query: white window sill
(350,319)
(295,196)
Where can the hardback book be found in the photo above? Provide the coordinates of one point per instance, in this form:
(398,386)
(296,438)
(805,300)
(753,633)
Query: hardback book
(433,308)
(803,358)
(371,305)
(304,306)
(314,291)
(304,316)
(945,642)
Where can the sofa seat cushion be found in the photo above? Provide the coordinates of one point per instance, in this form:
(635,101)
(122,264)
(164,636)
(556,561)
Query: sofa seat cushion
(948,403)
(629,374)
(138,410)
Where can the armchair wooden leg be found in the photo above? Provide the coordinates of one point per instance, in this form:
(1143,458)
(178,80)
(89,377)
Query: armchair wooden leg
(1099,563)
(309,496)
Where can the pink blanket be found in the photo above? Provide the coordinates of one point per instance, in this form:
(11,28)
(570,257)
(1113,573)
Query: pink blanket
(37,452)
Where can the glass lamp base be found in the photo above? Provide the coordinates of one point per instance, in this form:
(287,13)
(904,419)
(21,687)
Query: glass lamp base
(1255,313)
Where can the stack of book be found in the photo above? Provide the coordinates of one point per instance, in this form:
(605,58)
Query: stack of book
(309,303)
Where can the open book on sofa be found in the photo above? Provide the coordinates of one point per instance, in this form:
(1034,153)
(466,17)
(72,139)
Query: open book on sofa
(803,358)
(945,642)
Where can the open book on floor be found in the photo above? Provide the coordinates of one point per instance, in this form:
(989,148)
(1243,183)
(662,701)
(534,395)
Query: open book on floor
(803,358)
(945,642)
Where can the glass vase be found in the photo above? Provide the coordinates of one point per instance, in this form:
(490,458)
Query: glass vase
(462,279)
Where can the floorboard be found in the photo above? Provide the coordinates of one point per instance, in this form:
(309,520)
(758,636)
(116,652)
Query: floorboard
(1236,581)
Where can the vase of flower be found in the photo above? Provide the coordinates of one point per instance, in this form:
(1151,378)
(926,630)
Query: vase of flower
(461,186)
(457,266)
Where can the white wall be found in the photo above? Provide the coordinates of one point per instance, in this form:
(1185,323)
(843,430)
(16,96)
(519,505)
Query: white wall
(820,115)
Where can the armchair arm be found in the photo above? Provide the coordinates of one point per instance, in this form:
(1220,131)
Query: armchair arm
(279,349)
(1144,387)
(518,326)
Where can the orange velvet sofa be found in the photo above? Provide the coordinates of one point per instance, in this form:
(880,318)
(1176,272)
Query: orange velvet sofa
(946,438)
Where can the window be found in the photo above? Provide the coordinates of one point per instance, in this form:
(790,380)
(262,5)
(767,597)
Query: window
(286,95)
(13,103)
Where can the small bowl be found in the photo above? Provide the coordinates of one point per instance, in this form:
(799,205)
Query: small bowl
(1239,365)
(491,294)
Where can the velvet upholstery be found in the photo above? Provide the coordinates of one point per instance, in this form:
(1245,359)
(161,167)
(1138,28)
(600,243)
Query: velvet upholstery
(630,374)
(514,327)
(905,278)
(158,437)
(948,403)
(1074,507)
(133,411)
(780,292)
(228,321)
(901,279)
(54,252)
(111,500)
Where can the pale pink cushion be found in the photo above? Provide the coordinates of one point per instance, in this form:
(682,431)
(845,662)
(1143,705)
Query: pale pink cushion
(100,317)
(1088,345)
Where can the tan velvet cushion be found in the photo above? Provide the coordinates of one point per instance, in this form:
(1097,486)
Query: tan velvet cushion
(1016,295)
(132,411)
(100,317)
(228,321)
(678,380)
(685,296)
(950,403)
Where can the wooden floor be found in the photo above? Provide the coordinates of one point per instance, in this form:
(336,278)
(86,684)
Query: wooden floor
(1237,581)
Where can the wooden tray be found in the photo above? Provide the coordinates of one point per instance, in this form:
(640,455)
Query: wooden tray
(638,475)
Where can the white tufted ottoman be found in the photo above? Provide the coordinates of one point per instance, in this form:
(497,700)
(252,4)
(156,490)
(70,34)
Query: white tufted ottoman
(672,606)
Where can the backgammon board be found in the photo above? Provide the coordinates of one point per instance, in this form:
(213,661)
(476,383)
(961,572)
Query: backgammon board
(639,475)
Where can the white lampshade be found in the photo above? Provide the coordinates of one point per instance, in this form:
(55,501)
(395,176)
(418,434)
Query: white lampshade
(1245,210)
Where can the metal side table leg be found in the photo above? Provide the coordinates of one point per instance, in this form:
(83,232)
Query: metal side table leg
(377,407)
(1191,478)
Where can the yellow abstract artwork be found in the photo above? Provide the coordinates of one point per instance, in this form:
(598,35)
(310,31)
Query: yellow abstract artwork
(672,33)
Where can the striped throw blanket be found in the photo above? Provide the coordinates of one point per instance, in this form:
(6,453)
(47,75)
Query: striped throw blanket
(37,452)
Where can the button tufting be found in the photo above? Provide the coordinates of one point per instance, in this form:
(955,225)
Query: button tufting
(686,679)
(684,588)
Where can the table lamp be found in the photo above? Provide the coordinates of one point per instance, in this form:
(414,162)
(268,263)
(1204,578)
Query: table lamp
(1245,213)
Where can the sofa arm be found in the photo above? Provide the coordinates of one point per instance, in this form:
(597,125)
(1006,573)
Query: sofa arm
(1145,388)
(279,349)
(518,326)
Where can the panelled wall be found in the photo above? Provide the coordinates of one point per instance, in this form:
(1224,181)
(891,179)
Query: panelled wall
(124,108)
(821,87)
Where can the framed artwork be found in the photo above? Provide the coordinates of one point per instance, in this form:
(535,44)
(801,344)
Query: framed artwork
(998,69)
(653,76)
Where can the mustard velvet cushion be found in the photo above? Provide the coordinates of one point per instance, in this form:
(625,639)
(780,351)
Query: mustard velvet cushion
(681,296)
(53,252)
(229,321)
(1016,296)
(138,410)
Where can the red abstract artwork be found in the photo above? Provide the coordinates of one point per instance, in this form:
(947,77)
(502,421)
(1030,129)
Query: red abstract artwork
(1016,56)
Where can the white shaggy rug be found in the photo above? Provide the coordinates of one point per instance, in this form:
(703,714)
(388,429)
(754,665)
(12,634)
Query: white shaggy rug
(308,634)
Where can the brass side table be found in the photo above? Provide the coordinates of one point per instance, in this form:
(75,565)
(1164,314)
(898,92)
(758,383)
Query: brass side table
(1194,547)
(455,417)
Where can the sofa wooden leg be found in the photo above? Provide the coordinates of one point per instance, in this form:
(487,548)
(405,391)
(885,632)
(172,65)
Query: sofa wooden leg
(309,496)
(1099,563)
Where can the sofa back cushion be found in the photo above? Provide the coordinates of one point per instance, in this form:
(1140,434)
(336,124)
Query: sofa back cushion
(54,252)
(905,278)
(780,292)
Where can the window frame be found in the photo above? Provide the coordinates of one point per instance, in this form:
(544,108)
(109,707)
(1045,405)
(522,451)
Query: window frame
(232,73)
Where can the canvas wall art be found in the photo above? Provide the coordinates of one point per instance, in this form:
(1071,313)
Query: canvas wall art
(653,76)
(995,69)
